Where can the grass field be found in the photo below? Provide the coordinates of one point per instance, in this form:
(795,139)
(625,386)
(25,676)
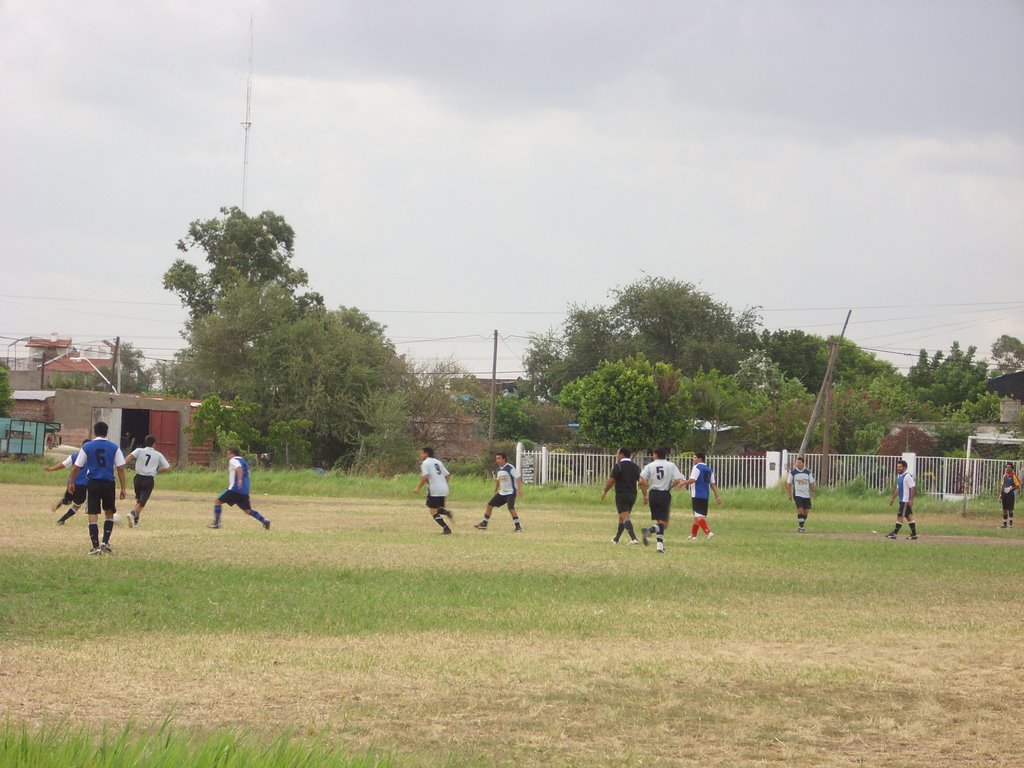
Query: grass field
(353,629)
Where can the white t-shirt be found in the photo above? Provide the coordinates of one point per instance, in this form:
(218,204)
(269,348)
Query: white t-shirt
(660,474)
(149,461)
(507,476)
(437,477)
(801,480)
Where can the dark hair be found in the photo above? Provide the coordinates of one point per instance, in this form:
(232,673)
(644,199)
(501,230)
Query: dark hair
(626,453)
(233,450)
(100,429)
(150,441)
(1010,465)
(701,456)
(429,451)
(503,456)
(660,452)
(799,458)
(901,463)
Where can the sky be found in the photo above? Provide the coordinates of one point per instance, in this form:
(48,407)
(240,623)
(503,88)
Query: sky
(455,168)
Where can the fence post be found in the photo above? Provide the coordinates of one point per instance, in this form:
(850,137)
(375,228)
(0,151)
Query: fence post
(772,468)
(543,465)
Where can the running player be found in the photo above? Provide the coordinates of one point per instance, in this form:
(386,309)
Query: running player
(435,477)
(625,476)
(657,480)
(507,485)
(237,493)
(149,462)
(76,499)
(1009,485)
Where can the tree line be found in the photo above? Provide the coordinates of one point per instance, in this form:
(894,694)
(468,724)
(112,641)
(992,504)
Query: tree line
(662,363)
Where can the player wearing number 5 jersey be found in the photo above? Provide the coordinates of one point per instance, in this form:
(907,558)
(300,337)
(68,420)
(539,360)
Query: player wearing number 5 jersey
(99,458)
(657,480)
(149,462)
(435,477)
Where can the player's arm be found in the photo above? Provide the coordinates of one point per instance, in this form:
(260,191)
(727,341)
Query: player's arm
(913,493)
(519,486)
(79,463)
(54,468)
(608,486)
(423,480)
(120,476)
(714,488)
(789,486)
(892,498)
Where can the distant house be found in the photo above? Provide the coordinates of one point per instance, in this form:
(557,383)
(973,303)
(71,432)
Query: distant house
(1010,388)
(52,357)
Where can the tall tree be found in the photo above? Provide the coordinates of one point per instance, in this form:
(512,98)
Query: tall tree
(665,320)
(947,381)
(256,249)
(6,393)
(1008,354)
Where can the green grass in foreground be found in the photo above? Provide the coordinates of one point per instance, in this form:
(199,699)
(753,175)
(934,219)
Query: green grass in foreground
(62,746)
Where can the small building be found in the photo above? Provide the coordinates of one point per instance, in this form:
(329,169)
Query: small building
(129,417)
(21,437)
(1010,389)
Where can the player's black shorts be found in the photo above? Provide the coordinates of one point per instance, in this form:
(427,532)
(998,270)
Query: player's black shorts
(661,504)
(234,498)
(500,501)
(82,492)
(435,502)
(802,502)
(143,488)
(624,501)
(102,495)
(1007,501)
(699,506)
(905,509)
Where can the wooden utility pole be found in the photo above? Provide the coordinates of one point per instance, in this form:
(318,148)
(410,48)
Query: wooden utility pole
(117,362)
(494,388)
(825,384)
(826,434)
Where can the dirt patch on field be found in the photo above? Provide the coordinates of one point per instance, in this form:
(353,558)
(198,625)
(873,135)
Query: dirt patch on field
(1010,540)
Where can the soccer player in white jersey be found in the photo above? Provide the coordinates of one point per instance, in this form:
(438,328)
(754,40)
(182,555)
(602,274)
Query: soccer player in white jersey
(507,485)
(905,490)
(435,477)
(801,486)
(657,480)
(149,462)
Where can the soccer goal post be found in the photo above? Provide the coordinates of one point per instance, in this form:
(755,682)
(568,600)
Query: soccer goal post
(982,474)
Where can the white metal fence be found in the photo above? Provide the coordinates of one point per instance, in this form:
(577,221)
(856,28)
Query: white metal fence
(935,475)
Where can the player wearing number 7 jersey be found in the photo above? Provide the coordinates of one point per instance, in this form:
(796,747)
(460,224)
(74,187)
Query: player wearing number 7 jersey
(149,462)
(435,477)
(658,479)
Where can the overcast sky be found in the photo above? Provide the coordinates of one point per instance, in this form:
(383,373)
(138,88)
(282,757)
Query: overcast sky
(455,168)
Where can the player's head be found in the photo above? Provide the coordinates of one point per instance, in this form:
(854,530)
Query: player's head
(699,458)
(660,452)
(150,441)
(100,429)
(232,450)
(800,462)
(1009,468)
(625,453)
(427,452)
(901,465)
(500,458)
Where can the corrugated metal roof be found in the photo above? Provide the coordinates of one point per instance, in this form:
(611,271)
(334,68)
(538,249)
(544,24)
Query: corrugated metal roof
(34,394)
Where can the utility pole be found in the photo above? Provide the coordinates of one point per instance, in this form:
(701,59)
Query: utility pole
(826,433)
(494,388)
(825,384)
(117,362)
(247,124)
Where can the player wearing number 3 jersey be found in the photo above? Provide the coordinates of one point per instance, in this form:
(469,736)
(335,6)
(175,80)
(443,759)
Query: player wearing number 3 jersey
(435,477)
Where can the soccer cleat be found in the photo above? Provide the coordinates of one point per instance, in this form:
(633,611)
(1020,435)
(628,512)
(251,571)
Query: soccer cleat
(446,532)
(213,525)
(131,519)
(661,548)
(1004,525)
(96,551)
(691,538)
(105,548)
(62,521)
(482,525)
(266,525)
(912,536)
(711,535)
(890,536)
(646,533)
(517,529)
(801,530)
(632,541)
(615,541)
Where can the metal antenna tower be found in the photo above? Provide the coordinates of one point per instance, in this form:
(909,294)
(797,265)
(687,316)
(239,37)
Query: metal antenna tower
(248,113)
